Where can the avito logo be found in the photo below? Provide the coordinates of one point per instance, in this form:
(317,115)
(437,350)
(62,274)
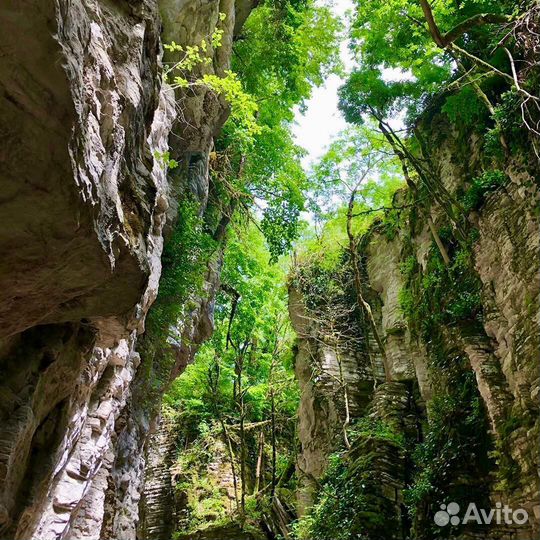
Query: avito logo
(448,515)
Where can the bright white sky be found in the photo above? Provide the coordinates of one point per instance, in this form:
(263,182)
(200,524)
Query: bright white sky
(322,120)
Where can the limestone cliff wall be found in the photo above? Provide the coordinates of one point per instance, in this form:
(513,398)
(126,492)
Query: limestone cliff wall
(85,206)
(321,379)
(82,113)
(498,346)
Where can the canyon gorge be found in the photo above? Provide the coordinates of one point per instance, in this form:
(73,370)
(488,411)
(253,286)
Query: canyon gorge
(202,338)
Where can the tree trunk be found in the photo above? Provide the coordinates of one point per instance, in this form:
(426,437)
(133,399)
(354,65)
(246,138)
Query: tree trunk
(239,367)
(231,459)
(258,469)
(438,241)
(274,453)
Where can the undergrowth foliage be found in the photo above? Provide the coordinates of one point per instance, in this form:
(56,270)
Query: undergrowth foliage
(234,407)
(185,257)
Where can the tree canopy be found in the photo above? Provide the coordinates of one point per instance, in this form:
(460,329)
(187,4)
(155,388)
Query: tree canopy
(284,50)
(406,51)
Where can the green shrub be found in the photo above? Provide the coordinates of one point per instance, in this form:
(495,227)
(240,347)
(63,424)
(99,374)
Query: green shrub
(408,266)
(453,462)
(464,109)
(184,261)
(509,125)
(368,426)
(474,197)
(442,294)
(508,471)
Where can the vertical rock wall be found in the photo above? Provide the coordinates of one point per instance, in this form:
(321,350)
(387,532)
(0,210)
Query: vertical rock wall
(500,350)
(322,409)
(83,111)
(158,511)
(81,115)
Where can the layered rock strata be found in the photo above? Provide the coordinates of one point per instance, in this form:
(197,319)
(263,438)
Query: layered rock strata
(499,347)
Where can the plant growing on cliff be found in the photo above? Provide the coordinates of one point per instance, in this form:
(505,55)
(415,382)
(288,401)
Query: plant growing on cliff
(349,503)
(304,38)
(453,462)
(480,186)
(165,159)
(358,173)
(443,293)
(187,72)
(185,256)
(443,305)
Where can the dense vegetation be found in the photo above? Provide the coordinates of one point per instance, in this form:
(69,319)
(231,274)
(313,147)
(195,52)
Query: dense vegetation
(241,390)
(442,69)
(255,168)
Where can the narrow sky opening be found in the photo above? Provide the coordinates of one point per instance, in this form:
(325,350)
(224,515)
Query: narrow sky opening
(322,119)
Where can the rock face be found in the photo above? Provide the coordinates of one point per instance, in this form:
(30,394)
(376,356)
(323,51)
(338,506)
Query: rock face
(498,348)
(85,204)
(158,515)
(322,403)
(125,481)
(82,114)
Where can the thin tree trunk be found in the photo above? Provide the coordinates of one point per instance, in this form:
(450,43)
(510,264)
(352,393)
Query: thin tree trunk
(240,396)
(438,241)
(432,25)
(286,474)
(274,453)
(258,469)
(235,295)
(231,458)
(444,40)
